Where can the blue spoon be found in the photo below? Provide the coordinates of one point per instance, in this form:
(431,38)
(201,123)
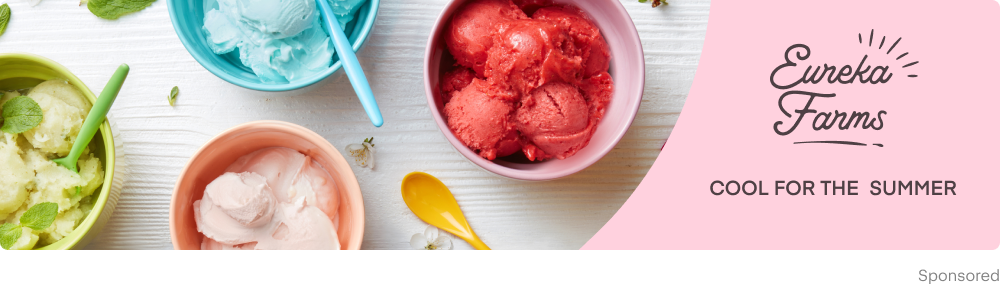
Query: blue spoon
(350,63)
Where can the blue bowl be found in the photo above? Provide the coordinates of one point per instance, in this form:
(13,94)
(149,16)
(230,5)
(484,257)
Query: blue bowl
(188,18)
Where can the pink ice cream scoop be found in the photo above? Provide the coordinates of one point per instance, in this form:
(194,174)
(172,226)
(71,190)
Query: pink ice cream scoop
(455,81)
(233,206)
(554,118)
(530,53)
(482,121)
(469,35)
(273,198)
(587,38)
(537,85)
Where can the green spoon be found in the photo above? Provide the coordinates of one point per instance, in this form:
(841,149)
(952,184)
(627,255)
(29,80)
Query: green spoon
(95,118)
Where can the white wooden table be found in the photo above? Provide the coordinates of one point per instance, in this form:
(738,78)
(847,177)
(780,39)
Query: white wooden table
(507,214)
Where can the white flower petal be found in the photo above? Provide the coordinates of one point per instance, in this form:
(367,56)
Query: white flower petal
(370,155)
(431,233)
(418,241)
(354,147)
(443,243)
(370,159)
(363,154)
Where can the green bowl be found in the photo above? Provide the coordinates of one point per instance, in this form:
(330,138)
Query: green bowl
(21,71)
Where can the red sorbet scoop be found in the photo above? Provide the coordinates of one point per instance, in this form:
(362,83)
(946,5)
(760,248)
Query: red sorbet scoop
(530,53)
(555,118)
(481,121)
(469,34)
(585,35)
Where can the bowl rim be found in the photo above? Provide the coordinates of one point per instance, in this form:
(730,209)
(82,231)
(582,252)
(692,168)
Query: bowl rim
(71,240)
(498,169)
(366,30)
(352,185)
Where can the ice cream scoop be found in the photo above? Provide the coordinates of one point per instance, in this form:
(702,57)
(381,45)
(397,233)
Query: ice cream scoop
(481,121)
(432,202)
(282,19)
(535,84)
(529,53)
(555,118)
(273,198)
(469,32)
(244,197)
(587,38)
(233,205)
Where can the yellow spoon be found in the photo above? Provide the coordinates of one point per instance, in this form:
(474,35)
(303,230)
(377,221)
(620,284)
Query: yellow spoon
(430,200)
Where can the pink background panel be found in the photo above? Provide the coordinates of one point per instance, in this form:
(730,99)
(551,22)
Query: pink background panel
(941,125)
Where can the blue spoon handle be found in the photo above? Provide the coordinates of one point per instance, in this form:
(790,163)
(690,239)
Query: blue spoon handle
(350,63)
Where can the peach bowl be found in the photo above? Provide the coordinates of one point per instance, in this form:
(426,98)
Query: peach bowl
(212,159)
(627,69)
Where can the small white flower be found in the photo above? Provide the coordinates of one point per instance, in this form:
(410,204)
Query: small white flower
(363,153)
(432,239)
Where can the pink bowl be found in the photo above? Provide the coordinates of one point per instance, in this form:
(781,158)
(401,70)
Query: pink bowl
(627,70)
(213,158)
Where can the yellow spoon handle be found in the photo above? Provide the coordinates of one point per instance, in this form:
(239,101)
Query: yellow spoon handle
(477,243)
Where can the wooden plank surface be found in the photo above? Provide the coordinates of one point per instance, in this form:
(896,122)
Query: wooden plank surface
(507,214)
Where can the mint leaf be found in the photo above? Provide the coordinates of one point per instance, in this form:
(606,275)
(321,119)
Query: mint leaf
(40,216)
(20,114)
(173,96)
(112,9)
(9,233)
(4,17)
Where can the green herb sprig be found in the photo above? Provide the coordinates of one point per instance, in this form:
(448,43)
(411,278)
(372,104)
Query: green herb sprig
(38,217)
(20,114)
(4,17)
(173,96)
(112,9)
(9,234)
